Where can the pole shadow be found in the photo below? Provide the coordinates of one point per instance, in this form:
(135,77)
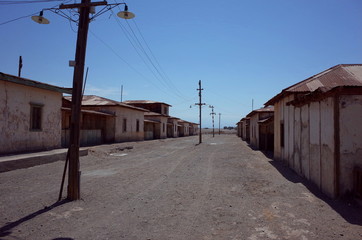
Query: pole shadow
(6,229)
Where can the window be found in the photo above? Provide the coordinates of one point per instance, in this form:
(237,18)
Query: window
(124,125)
(163,127)
(35,117)
(282,134)
(137,125)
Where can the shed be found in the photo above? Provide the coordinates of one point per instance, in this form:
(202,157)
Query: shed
(317,129)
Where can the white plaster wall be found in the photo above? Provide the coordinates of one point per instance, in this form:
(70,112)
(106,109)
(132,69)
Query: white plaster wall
(254,130)
(350,108)
(297,141)
(314,147)
(132,116)
(304,147)
(278,118)
(327,147)
(290,133)
(15,102)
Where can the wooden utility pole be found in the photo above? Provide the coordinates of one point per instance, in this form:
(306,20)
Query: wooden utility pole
(219,122)
(84,9)
(212,115)
(74,173)
(200,106)
(20,66)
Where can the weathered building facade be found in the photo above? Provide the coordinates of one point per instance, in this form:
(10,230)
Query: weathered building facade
(317,130)
(172,127)
(159,122)
(255,130)
(127,123)
(31,115)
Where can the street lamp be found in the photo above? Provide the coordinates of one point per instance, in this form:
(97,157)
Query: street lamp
(84,10)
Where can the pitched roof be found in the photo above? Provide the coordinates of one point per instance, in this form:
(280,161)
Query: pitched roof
(337,76)
(144,102)
(32,83)
(261,110)
(92,100)
(154,114)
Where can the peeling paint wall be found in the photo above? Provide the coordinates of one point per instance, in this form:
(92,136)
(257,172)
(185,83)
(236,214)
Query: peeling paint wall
(284,115)
(115,130)
(160,129)
(314,144)
(308,140)
(350,108)
(16,136)
(254,130)
(304,141)
(327,147)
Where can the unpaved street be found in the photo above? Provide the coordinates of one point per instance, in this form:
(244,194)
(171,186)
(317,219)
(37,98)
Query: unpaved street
(173,189)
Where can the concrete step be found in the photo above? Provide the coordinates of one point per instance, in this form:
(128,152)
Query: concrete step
(13,162)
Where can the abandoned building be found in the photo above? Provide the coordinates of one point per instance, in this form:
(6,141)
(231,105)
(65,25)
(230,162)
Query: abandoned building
(260,127)
(31,115)
(317,130)
(126,125)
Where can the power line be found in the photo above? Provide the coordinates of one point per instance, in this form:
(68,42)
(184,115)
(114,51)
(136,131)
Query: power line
(129,65)
(32,14)
(27,2)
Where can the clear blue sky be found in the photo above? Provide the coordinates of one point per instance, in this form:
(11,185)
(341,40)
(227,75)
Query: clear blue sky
(241,50)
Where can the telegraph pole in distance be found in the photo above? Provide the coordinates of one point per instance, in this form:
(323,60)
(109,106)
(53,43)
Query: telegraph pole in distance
(200,105)
(213,114)
(219,122)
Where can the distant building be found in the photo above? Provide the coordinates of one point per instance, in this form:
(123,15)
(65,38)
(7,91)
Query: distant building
(172,127)
(126,125)
(159,125)
(260,135)
(153,106)
(318,130)
(183,128)
(30,115)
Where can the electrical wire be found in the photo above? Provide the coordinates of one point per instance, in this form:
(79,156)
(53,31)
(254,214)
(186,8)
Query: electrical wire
(15,19)
(27,2)
(157,62)
(129,65)
(151,64)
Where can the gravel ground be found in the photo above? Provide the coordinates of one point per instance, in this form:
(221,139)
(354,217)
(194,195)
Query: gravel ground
(173,189)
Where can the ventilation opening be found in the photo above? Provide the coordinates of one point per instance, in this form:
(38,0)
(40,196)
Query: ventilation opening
(357,182)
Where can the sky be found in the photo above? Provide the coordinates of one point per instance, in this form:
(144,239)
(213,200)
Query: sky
(244,51)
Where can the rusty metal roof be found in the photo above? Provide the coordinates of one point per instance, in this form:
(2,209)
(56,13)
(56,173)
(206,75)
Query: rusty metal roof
(92,100)
(90,112)
(261,110)
(155,114)
(32,83)
(337,76)
(144,102)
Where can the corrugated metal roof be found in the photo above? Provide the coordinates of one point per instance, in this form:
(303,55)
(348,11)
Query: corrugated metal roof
(92,100)
(32,83)
(144,102)
(151,121)
(154,114)
(90,111)
(337,76)
(261,110)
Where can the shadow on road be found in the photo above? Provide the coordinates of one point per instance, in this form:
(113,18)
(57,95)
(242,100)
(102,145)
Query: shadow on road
(5,230)
(347,206)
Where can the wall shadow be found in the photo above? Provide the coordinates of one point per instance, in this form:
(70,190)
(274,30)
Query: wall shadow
(6,229)
(347,207)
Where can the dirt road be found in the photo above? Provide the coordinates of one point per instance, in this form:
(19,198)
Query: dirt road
(173,189)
